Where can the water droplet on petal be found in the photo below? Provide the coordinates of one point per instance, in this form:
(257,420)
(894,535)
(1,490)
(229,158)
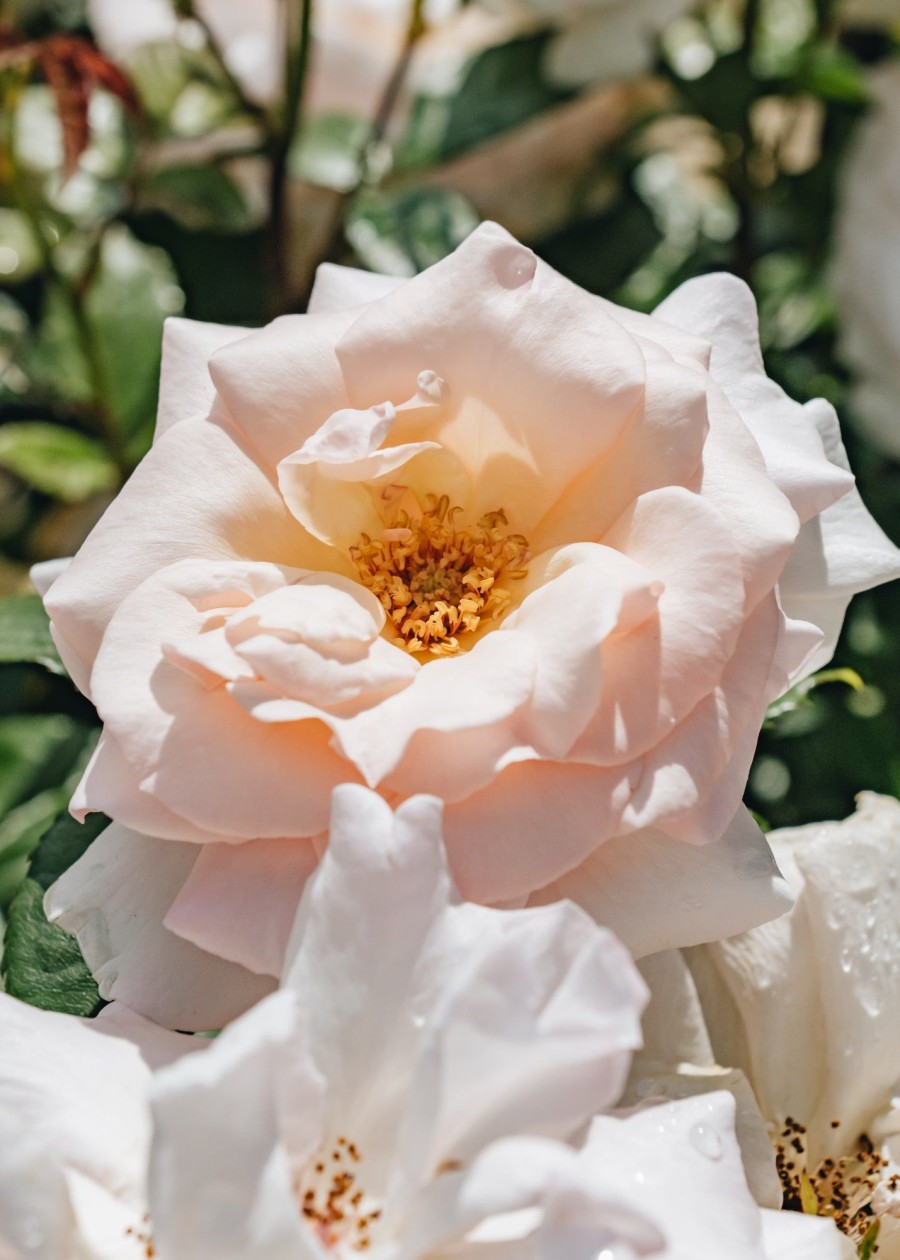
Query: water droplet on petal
(515,267)
(706,1141)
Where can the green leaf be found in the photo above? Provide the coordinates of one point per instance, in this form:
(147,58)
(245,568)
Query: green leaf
(403,233)
(25,633)
(64,842)
(600,253)
(20,832)
(41,963)
(327,152)
(832,73)
(800,695)
(133,293)
(160,72)
(37,751)
(57,461)
(25,824)
(501,88)
(202,198)
(52,361)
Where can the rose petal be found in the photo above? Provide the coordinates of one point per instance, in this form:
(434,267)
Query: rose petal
(340,288)
(239,901)
(722,309)
(841,552)
(489,302)
(656,893)
(198,493)
(221,1182)
(535,821)
(164,720)
(114,899)
(185,387)
(110,786)
(654,677)
(284,381)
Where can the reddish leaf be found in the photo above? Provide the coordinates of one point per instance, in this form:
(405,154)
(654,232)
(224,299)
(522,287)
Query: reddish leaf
(73,68)
(102,72)
(73,96)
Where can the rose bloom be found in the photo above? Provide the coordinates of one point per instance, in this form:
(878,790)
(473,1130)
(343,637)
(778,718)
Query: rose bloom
(430,1081)
(478,534)
(867,263)
(808,1007)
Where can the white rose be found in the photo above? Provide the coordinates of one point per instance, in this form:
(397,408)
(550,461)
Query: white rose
(808,1008)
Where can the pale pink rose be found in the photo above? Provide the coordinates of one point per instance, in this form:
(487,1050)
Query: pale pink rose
(621,541)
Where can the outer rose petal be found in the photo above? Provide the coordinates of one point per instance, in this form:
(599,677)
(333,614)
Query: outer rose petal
(164,719)
(795,1236)
(844,875)
(81,1098)
(185,388)
(531,1198)
(197,492)
(111,786)
(534,1030)
(841,552)
(692,1181)
(677,1061)
(655,892)
(220,1178)
(115,899)
(239,900)
(722,309)
(341,288)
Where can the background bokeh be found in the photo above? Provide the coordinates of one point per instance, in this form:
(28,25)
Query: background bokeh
(163,158)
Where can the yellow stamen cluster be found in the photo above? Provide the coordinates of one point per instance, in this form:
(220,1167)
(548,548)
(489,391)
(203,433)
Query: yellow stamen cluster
(333,1204)
(840,1187)
(438,580)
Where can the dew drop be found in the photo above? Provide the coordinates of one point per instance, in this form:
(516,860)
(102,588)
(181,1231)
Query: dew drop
(706,1141)
(515,268)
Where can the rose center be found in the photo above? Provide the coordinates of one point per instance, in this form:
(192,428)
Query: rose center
(846,1187)
(335,1207)
(438,580)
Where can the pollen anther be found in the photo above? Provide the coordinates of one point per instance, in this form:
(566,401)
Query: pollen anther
(438,580)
